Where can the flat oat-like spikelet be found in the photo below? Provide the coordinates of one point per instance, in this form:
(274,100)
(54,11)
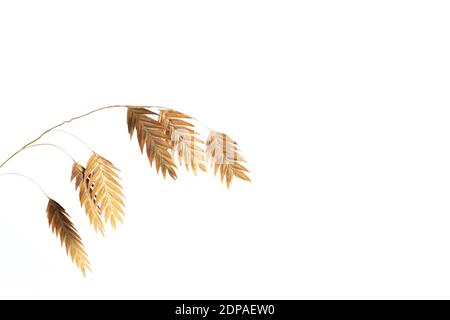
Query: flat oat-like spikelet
(152,135)
(61,225)
(87,198)
(183,139)
(223,152)
(102,180)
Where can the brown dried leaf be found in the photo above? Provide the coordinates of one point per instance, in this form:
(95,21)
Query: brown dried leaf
(61,225)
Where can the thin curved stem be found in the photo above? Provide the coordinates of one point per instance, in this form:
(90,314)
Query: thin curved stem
(57,126)
(73,119)
(74,136)
(51,145)
(28,178)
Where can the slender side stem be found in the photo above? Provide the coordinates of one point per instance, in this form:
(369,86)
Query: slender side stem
(28,178)
(74,136)
(57,126)
(51,145)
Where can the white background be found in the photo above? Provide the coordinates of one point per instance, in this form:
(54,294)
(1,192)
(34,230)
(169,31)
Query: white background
(340,107)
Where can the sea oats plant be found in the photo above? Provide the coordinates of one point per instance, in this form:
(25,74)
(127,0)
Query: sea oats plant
(166,136)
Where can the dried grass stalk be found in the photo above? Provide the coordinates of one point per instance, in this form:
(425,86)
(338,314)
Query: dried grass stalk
(102,181)
(61,225)
(87,198)
(152,134)
(224,154)
(164,135)
(184,139)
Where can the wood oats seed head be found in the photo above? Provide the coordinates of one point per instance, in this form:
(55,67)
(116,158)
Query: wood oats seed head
(168,137)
